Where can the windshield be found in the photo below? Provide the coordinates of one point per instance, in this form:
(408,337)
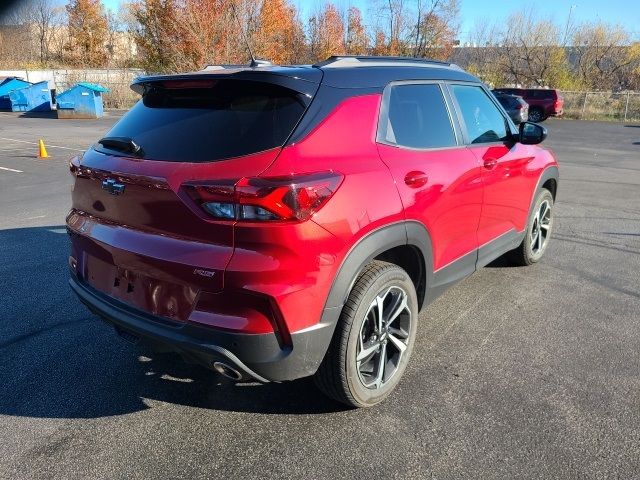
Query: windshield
(227,118)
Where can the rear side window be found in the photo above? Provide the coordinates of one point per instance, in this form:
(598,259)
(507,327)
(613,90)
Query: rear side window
(226,118)
(482,118)
(417,117)
(514,102)
(507,101)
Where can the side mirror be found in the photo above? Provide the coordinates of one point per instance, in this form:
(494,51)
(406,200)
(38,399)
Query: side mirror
(532,133)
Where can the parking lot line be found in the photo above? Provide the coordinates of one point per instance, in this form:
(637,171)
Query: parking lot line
(11,169)
(36,143)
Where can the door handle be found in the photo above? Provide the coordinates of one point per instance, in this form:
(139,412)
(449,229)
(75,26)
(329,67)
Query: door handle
(490,163)
(416,179)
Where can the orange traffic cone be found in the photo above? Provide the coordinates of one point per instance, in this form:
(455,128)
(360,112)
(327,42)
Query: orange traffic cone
(42,152)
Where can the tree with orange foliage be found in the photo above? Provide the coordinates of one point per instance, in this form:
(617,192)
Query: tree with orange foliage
(357,40)
(380,46)
(278,33)
(202,27)
(154,33)
(181,35)
(326,32)
(88,32)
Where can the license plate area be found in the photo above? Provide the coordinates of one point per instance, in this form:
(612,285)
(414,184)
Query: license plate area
(158,297)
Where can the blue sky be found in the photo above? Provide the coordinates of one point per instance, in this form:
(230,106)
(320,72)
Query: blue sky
(625,12)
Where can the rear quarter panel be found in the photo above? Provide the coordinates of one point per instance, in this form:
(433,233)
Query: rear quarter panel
(298,262)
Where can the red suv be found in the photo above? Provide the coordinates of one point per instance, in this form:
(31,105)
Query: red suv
(273,223)
(543,102)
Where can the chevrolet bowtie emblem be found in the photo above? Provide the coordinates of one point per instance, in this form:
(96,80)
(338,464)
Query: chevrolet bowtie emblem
(113,187)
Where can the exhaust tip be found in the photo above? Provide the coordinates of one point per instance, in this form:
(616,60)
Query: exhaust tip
(227,371)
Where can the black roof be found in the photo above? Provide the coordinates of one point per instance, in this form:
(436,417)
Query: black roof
(338,71)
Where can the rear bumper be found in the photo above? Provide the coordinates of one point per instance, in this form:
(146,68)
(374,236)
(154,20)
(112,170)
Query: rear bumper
(257,356)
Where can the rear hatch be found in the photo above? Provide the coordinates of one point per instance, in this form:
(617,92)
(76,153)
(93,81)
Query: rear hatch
(136,233)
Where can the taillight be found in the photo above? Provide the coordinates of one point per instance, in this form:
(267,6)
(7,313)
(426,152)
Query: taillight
(256,199)
(557,104)
(216,200)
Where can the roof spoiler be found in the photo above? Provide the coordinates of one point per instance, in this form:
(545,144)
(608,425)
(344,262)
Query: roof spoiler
(304,81)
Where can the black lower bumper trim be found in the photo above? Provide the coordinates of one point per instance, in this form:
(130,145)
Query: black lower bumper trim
(257,356)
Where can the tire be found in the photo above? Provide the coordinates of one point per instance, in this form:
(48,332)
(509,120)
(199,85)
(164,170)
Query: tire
(363,383)
(536,115)
(532,249)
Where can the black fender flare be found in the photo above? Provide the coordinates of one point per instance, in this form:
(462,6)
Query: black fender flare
(361,253)
(549,173)
(373,244)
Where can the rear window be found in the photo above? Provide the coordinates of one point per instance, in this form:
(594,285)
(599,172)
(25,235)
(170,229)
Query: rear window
(228,118)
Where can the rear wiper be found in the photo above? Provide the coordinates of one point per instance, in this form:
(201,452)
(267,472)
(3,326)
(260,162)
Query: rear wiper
(122,144)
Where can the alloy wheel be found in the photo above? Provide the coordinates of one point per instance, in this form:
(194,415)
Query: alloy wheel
(383,338)
(535,115)
(540,229)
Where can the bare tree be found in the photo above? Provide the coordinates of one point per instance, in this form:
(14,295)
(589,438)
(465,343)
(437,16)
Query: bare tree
(17,46)
(419,28)
(44,17)
(398,19)
(482,55)
(59,39)
(528,45)
(436,28)
(604,56)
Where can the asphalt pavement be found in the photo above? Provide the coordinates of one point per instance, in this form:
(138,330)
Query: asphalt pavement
(517,372)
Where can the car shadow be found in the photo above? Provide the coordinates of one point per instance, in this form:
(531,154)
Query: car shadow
(51,114)
(57,360)
(501,262)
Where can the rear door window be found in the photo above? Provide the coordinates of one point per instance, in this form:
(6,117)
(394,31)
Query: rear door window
(417,117)
(223,119)
(513,102)
(482,118)
(506,101)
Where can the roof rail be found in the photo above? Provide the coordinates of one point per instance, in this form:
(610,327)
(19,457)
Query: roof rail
(222,67)
(254,64)
(362,60)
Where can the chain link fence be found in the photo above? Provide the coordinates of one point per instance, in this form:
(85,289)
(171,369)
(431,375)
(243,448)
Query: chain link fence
(621,106)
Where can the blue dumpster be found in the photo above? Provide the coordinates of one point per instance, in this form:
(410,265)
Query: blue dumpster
(34,98)
(83,100)
(8,84)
